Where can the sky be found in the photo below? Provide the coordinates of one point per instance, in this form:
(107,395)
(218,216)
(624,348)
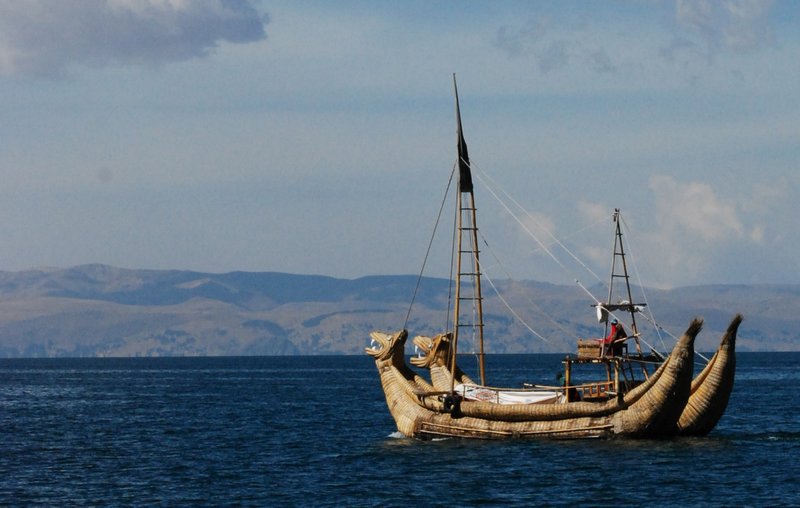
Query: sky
(318,137)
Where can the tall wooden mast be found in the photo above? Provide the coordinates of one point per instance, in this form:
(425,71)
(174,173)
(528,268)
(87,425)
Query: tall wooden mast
(467,230)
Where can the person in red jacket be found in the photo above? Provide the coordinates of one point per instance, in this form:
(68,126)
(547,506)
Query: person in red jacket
(612,345)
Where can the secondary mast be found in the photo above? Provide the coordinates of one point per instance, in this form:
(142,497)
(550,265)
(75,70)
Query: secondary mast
(619,252)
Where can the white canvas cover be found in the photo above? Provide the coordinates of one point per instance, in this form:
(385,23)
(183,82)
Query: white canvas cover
(484,394)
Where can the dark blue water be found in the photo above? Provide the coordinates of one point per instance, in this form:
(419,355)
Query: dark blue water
(284,431)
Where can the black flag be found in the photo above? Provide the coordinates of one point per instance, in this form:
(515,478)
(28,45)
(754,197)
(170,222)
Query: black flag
(464,173)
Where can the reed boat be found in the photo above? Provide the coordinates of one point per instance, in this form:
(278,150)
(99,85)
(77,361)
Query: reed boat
(420,410)
(452,404)
(709,393)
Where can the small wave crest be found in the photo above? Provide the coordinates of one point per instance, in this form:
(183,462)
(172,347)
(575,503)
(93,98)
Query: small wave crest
(783,436)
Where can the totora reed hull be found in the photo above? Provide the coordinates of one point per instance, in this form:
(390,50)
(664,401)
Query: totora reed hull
(650,410)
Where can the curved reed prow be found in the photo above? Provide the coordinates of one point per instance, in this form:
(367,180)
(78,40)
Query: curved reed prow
(729,339)
(694,327)
(656,412)
(711,389)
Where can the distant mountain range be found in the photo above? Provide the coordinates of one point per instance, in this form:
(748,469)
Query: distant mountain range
(99,310)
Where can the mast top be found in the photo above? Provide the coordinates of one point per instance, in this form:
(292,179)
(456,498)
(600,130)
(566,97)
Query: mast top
(464,171)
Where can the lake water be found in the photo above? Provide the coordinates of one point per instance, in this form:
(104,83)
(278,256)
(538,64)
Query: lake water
(295,431)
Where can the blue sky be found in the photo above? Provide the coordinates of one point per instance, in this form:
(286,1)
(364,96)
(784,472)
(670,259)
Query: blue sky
(317,137)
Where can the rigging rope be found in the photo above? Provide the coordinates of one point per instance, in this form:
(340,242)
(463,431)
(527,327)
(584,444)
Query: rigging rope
(523,226)
(650,318)
(510,309)
(489,183)
(491,283)
(558,242)
(536,238)
(428,251)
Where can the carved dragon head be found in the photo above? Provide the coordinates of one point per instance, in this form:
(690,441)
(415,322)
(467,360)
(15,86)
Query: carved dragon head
(435,350)
(424,345)
(387,348)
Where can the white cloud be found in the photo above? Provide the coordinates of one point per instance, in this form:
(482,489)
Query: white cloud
(540,226)
(593,211)
(728,25)
(553,57)
(761,205)
(519,41)
(696,230)
(600,61)
(47,37)
(692,211)
(552,47)
(764,196)
(757,234)
(576,44)
(598,215)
